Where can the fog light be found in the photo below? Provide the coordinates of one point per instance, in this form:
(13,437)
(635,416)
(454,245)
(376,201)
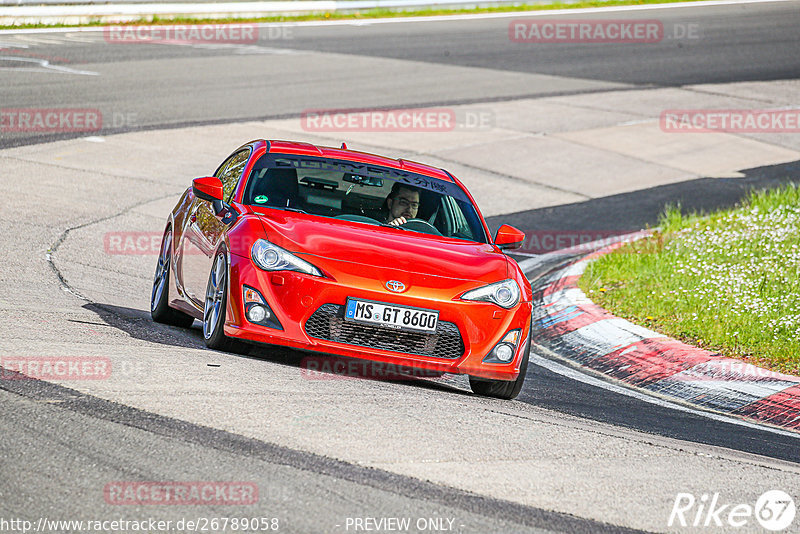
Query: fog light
(257,310)
(256,314)
(504,352)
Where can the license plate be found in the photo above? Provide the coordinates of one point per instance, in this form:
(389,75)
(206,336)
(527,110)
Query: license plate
(391,316)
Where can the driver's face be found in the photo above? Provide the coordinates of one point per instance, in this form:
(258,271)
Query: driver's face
(405,204)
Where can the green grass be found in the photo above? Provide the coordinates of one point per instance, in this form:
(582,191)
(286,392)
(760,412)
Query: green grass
(726,282)
(366,14)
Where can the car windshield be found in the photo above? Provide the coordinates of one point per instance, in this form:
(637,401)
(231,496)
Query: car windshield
(358,192)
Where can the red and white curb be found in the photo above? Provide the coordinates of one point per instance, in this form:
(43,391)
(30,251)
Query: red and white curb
(567,323)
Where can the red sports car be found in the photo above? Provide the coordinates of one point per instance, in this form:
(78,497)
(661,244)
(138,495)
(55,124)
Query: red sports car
(346,253)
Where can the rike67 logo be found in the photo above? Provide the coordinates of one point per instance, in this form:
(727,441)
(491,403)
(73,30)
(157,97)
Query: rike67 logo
(774,510)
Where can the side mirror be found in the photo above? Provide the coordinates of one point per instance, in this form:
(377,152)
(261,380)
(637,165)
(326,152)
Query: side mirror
(208,188)
(508,237)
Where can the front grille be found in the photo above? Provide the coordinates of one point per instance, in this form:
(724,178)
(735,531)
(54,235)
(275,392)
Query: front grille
(328,323)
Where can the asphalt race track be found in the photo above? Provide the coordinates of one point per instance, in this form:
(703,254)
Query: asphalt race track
(279,76)
(572,144)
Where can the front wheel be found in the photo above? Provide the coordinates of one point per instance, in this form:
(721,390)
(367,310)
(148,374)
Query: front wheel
(215,308)
(503,389)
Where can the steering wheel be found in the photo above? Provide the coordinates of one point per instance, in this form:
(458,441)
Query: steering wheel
(421,225)
(358,218)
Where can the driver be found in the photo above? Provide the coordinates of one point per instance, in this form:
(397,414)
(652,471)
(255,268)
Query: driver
(403,203)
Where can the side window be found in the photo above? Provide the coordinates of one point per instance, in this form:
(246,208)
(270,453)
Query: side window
(231,171)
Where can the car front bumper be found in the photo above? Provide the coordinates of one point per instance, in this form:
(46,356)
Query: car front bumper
(309,309)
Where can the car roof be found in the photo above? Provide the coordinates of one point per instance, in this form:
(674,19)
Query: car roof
(307,149)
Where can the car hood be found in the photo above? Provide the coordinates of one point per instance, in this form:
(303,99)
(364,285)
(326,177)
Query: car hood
(384,248)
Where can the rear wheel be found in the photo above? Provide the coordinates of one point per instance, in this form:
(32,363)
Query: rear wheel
(503,389)
(159,309)
(215,308)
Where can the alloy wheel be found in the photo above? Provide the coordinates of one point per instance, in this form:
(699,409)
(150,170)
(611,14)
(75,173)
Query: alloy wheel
(162,272)
(214,297)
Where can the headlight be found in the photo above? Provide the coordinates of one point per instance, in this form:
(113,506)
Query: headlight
(271,257)
(505,293)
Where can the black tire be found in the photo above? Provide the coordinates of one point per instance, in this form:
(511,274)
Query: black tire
(159,308)
(215,309)
(503,389)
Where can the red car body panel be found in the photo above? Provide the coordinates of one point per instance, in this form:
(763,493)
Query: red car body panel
(357,260)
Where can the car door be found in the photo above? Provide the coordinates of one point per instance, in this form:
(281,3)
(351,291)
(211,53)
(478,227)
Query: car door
(204,230)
